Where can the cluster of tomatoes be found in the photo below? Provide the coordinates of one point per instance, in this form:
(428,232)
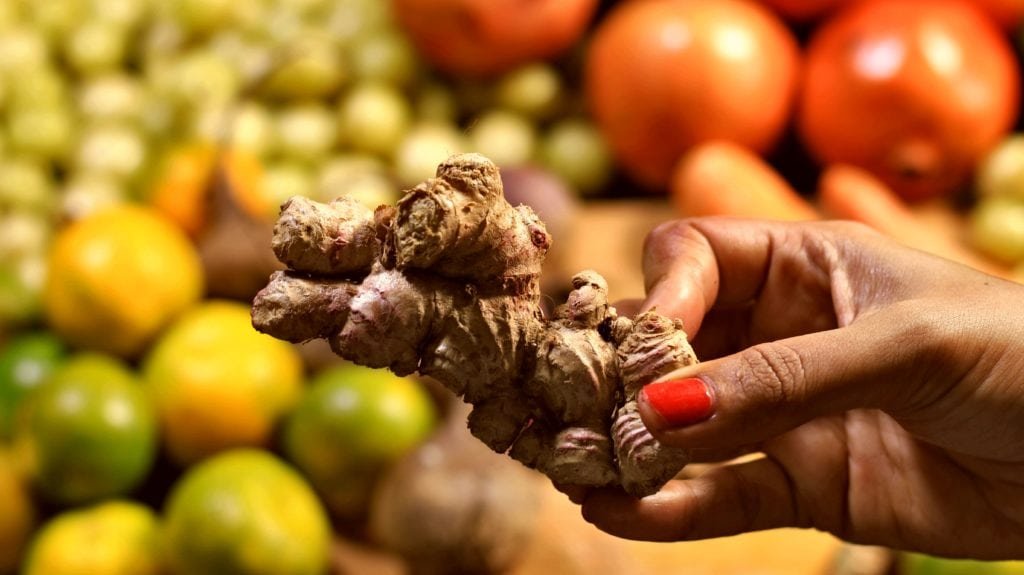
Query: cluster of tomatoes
(914,92)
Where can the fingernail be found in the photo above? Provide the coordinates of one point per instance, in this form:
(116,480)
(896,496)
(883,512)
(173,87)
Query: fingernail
(679,402)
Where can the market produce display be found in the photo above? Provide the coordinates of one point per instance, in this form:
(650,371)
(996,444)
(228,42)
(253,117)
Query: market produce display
(148,146)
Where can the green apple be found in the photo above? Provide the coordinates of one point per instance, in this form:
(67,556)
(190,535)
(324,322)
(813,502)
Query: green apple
(574,149)
(996,228)
(44,132)
(25,234)
(306,132)
(22,49)
(115,149)
(507,138)
(95,46)
(373,118)
(425,146)
(535,90)
(1001,171)
(85,192)
(282,180)
(112,97)
(385,56)
(358,176)
(26,184)
(311,66)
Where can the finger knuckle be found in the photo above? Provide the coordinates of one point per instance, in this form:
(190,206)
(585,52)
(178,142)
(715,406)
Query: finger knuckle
(666,233)
(772,372)
(747,497)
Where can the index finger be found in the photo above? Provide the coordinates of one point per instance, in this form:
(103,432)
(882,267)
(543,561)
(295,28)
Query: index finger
(692,265)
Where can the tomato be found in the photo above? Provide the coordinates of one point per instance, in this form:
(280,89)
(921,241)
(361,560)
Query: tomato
(663,75)
(804,10)
(1007,13)
(487,37)
(914,96)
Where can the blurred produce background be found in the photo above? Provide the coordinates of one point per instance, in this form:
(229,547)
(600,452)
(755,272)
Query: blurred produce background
(146,145)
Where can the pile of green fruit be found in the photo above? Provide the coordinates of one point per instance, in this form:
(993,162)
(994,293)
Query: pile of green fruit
(101,98)
(214,455)
(997,220)
(144,426)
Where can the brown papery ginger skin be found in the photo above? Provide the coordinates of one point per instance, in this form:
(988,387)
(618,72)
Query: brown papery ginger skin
(446,283)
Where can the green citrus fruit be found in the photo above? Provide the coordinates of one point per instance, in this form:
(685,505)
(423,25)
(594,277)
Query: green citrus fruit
(20,300)
(919,564)
(25,362)
(17,518)
(351,424)
(88,432)
(245,512)
(112,538)
(217,383)
(117,277)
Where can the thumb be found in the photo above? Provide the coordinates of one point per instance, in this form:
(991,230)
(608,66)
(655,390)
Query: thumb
(765,390)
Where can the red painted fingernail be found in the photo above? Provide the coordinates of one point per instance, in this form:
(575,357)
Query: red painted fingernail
(679,402)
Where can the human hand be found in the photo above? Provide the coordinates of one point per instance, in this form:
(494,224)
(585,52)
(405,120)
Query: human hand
(884,386)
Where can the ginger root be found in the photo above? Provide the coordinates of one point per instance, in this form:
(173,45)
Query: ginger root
(446,283)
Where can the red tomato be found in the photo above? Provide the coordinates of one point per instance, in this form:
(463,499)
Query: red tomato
(913,95)
(1007,13)
(804,10)
(664,75)
(487,37)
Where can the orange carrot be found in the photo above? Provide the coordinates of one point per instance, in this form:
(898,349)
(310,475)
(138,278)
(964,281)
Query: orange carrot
(722,178)
(848,192)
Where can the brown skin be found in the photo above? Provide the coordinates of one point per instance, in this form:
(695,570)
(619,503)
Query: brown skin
(446,283)
(452,506)
(882,385)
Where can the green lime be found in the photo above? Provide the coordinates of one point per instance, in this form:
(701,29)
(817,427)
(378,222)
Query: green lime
(112,538)
(245,512)
(920,564)
(25,362)
(20,301)
(351,424)
(88,432)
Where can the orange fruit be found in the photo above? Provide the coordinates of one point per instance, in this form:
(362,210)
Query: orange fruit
(487,37)
(661,76)
(88,432)
(182,186)
(352,423)
(245,512)
(18,517)
(914,96)
(116,537)
(117,277)
(217,383)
